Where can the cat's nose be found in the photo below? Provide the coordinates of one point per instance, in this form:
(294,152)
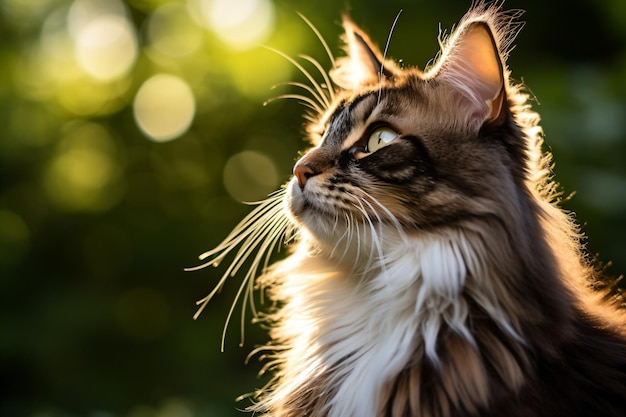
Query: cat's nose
(303,172)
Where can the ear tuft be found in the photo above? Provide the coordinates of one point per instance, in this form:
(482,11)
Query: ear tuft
(363,63)
(471,63)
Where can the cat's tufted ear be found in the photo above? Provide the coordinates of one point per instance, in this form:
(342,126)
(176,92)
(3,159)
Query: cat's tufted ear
(364,64)
(471,63)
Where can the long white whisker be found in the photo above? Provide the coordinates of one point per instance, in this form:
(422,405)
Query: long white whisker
(357,204)
(344,238)
(252,242)
(389,215)
(375,239)
(382,64)
(241,231)
(263,234)
(254,233)
(357,233)
(306,101)
(338,242)
(329,87)
(321,38)
(321,98)
(314,82)
(269,242)
(230,313)
(374,236)
(303,70)
(259,231)
(375,233)
(311,118)
(281,236)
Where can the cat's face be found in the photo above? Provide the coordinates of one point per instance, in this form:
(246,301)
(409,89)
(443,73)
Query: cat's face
(411,150)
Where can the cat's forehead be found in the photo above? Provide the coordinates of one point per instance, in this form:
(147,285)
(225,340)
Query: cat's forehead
(345,116)
(394,104)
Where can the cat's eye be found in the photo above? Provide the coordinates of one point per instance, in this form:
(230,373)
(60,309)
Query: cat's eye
(380,138)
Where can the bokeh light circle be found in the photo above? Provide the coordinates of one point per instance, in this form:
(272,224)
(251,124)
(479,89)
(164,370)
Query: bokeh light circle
(82,12)
(241,24)
(106,47)
(164,107)
(250,176)
(172,31)
(85,171)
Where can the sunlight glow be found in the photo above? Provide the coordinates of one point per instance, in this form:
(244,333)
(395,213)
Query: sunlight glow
(53,61)
(164,107)
(83,174)
(241,24)
(82,12)
(250,176)
(172,32)
(107,47)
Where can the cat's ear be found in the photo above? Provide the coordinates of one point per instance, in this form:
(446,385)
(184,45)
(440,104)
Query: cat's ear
(364,64)
(471,63)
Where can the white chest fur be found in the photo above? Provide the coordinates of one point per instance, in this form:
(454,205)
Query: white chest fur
(362,329)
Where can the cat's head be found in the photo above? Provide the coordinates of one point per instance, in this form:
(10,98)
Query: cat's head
(417,150)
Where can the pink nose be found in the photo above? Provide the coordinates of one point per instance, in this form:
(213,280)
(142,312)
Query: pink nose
(303,172)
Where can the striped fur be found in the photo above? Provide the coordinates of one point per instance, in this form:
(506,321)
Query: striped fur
(431,273)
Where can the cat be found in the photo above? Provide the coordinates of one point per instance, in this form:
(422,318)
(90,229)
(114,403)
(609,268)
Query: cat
(431,271)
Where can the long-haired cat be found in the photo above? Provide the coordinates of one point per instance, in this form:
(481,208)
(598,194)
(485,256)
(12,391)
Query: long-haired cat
(431,271)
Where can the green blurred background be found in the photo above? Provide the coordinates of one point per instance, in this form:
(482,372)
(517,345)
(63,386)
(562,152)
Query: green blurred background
(130,132)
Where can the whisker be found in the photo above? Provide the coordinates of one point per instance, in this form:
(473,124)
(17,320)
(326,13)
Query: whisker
(354,232)
(252,239)
(240,231)
(321,39)
(303,70)
(375,237)
(357,204)
(267,246)
(321,98)
(252,242)
(382,64)
(389,215)
(311,118)
(344,237)
(269,242)
(306,101)
(259,231)
(318,87)
(327,82)
(247,247)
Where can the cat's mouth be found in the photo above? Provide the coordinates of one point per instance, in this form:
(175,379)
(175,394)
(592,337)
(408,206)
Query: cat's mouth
(297,201)
(303,203)
(347,236)
(313,206)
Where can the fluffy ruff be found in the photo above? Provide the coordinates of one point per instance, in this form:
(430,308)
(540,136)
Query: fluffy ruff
(348,337)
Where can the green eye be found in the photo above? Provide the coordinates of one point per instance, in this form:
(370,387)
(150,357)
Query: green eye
(380,138)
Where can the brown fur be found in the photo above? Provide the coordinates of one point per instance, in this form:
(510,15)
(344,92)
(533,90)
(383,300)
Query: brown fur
(451,237)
